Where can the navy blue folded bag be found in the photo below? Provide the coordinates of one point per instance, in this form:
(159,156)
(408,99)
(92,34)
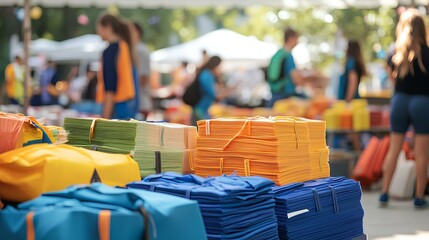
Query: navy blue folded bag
(328,208)
(232,207)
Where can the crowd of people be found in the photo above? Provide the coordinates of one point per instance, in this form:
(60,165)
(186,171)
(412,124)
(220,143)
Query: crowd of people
(120,85)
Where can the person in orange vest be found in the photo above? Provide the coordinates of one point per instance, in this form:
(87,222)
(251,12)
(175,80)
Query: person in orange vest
(116,88)
(14,74)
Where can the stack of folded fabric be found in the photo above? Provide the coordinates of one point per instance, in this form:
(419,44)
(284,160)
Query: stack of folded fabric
(361,116)
(376,118)
(110,136)
(319,151)
(327,208)
(232,207)
(175,143)
(277,148)
(346,120)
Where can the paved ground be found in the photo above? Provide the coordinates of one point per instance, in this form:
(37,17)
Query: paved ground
(398,221)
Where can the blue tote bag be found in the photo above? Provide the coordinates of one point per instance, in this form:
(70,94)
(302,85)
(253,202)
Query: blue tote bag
(100,212)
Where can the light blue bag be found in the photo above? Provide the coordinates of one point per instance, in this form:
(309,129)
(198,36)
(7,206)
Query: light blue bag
(100,212)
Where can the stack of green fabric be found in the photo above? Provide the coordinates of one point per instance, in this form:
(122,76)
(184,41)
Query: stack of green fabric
(176,143)
(110,136)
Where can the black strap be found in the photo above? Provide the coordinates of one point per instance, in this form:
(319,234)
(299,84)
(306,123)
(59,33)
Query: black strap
(95,177)
(145,215)
(158,168)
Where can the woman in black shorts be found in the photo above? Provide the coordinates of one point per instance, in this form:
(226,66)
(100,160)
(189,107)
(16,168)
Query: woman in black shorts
(410,103)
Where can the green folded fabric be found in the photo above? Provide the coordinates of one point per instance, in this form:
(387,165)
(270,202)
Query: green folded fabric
(140,139)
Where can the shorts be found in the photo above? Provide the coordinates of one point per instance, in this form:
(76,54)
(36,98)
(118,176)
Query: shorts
(409,110)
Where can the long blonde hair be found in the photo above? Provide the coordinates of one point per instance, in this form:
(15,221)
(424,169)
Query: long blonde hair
(410,37)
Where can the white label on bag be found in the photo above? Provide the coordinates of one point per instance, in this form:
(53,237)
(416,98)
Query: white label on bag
(296,213)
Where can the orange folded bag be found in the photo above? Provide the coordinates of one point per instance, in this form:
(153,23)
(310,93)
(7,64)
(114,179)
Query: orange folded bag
(283,149)
(369,167)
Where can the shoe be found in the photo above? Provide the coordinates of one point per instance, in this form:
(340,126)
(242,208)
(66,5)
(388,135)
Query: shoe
(384,199)
(420,203)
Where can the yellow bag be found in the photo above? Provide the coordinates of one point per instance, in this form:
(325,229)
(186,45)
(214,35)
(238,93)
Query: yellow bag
(30,171)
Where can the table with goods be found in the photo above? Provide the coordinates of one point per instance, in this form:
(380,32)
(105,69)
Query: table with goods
(229,178)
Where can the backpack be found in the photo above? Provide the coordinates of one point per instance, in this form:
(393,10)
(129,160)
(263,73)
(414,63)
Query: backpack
(276,72)
(193,93)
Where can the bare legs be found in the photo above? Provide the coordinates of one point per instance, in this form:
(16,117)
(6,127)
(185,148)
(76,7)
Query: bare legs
(422,159)
(396,141)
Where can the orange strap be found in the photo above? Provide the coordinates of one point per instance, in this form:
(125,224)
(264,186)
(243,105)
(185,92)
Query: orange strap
(221,166)
(247,167)
(30,226)
(247,123)
(191,160)
(296,133)
(104,224)
(92,129)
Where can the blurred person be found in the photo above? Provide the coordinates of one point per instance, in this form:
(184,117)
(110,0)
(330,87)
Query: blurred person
(84,88)
(180,79)
(282,74)
(354,71)
(48,81)
(116,88)
(142,59)
(83,92)
(14,74)
(410,66)
(210,91)
(205,57)
(76,84)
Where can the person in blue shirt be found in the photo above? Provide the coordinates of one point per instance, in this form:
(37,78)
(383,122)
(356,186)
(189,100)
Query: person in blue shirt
(48,80)
(282,73)
(354,71)
(207,77)
(116,84)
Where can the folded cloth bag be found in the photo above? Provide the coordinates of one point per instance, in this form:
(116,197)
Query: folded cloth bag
(328,208)
(30,171)
(17,130)
(96,211)
(232,207)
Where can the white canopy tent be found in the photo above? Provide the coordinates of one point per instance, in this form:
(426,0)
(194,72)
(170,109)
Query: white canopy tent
(202,3)
(84,48)
(233,48)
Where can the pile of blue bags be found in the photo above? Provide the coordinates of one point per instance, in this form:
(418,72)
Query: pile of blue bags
(97,211)
(232,207)
(328,208)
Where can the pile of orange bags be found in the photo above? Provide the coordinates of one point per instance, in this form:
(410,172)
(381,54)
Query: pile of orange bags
(283,149)
(369,167)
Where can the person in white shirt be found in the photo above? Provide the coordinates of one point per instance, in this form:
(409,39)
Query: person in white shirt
(142,55)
